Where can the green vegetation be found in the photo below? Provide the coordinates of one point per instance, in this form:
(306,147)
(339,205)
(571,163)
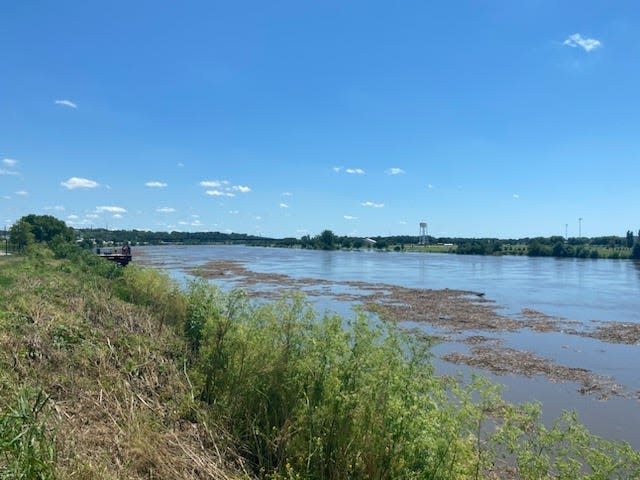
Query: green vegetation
(613,247)
(110,372)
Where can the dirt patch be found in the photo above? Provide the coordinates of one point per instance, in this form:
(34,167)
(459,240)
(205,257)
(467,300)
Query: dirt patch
(502,361)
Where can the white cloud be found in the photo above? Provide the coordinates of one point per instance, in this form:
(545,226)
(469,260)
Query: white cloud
(515,195)
(165,209)
(284,205)
(350,217)
(91,215)
(55,208)
(154,184)
(372,204)
(7,172)
(430,187)
(287,194)
(66,103)
(241,188)
(76,182)
(180,164)
(337,169)
(22,193)
(117,215)
(110,209)
(395,171)
(72,217)
(587,44)
(258,218)
(357,171)
(234,212)
(211,183)
(10,162)
(402,222)
(6,197)
(218,193)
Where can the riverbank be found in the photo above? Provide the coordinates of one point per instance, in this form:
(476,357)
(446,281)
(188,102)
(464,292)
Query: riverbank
(128,376)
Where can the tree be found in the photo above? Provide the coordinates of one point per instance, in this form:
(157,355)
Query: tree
(635,252)
(629,238)
(21,235)
(46,228)
(327,240)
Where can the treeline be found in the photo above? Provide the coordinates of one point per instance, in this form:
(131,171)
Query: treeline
(38,228)
(142,237)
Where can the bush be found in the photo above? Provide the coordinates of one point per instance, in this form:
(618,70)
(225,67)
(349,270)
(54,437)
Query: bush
(153,289)
(323,398)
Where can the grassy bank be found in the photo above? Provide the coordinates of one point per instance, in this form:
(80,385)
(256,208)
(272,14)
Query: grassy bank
(117,373)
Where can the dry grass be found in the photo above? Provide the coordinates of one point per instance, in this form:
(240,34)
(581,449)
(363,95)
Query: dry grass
(118,394)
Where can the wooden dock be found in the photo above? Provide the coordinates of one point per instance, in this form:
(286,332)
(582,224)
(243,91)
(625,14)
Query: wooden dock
(121,256)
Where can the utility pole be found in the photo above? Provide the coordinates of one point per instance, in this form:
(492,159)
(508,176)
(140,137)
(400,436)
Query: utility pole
(580,227)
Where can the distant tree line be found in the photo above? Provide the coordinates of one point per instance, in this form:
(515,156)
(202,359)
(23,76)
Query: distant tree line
(45,228)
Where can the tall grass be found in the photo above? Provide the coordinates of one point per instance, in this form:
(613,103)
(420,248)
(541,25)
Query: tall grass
(27,446)
(313,398)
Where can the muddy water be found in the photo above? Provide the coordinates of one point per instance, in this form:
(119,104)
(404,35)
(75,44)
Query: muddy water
(583,294)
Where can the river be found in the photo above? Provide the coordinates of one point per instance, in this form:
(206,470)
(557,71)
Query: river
(587,291)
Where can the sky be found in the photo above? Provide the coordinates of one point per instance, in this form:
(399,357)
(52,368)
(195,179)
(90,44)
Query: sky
(284,118)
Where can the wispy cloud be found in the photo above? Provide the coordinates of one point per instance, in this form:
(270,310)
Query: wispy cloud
(117,215)
(234,212)
(372,204)
(287,194)
(395,171)
(55,208)
(76,182)
(8,172)
(515,195)
(22,193)
(73,217)
(218,193)
(284,205)
(356,171)
(91,215)
(154,184)
(337,169)
(587,44)
(165,209)
(222,188)
(211,183)
(110,209)
(349,217)
(66,103)
(430,187)
(180,164)
(10,162)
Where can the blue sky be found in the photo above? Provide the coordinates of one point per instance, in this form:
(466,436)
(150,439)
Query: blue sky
(483,118)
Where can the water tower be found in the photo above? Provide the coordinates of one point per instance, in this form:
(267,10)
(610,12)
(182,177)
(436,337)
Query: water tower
(423,233)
